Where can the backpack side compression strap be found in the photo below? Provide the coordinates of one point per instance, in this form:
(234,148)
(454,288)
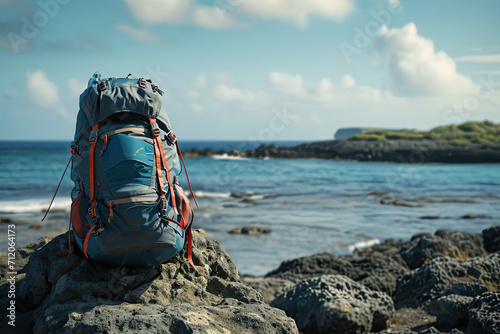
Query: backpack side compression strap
(94,134)
(160,158)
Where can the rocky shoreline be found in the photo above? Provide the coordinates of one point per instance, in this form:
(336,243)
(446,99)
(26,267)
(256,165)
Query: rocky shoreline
(446,282)
(396,150)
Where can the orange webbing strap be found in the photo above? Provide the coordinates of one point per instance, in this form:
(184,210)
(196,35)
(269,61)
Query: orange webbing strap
(158,167)
(86,242)
(159,147)
(93,141)
(57,189)
(187,176)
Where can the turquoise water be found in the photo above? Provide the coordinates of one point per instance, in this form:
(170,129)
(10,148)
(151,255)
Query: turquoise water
(310,205)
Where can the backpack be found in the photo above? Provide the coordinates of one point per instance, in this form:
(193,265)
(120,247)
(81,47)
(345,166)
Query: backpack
(128,208)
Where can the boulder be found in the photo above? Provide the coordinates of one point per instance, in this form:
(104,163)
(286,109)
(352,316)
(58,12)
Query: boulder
(425,247)
(336,304)
(377,272)
(451,310)
(72,294)
(435,278)
(484,314)
(269,287)
(491,238)
(250,230)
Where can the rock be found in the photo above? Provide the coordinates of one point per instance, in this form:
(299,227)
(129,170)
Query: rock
(377,272)
(6,220)
(406,318)
(435,278)
(269,287)
(425,247)
(468,289)
(491,238)
(395,150)
(398,203)
(484,314)
(469,216)
(336,304)
(451,310)
(250,230)
(249,200)
(66,294)
(388,247)
(23,222)
(22,256)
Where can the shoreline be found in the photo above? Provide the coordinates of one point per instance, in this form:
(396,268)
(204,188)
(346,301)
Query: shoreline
(420,151)
(446,282)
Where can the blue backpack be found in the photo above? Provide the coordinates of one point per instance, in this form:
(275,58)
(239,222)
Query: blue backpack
(127,209)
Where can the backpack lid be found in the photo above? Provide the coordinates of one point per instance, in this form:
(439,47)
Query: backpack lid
(106,97)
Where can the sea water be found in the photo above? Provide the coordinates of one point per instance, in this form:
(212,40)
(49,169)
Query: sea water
(310,205)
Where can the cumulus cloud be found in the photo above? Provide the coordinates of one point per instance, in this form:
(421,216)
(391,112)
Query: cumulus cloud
(226,93)
(480,59)
(415,68)
(228,14)
(296,10)
(324,93)
(159,11)
(288,83)
(213,18)
(181,12)
(321,105)
(139,34)
(42,92)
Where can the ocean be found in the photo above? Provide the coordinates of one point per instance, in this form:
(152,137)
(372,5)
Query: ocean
(310,205)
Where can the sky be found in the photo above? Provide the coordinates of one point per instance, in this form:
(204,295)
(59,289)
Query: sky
(254,69)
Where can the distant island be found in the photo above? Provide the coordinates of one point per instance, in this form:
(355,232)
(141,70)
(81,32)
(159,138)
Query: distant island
(346,133)
(470,142)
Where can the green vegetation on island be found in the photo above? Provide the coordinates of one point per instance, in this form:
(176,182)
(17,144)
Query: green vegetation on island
(464,134)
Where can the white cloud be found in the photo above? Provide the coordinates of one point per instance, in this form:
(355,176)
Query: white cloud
(296,10)
(323,93)
(321,106)
(415,68)
(228,93)
(347,81)
(42,92)
(480,59)
(212,18)
(143,35)
(226,14)
(159,11)
(287,83)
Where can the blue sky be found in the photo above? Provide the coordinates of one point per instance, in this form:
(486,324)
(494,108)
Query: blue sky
(255,69)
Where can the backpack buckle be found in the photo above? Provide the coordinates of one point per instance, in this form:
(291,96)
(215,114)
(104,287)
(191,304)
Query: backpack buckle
(93,214)
(170,138)
(163,205)
(156,89)
(74,149)
(102,86)
(155,129)
(94,134)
